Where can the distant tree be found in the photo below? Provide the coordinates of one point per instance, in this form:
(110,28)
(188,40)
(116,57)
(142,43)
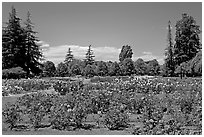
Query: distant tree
(187,39)
(101,68)
(13,43)
(153,67)
(126,52)
(114,69)
(75,70)
(89,56)
(32,50)
(74,64)
(127,67)
(49,69)
(89,71)
(140,66)
(62,70)
(169,65)
(69,56)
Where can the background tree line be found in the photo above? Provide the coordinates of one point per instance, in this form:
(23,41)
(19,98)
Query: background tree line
(183,57)
(89,67)
(22,57)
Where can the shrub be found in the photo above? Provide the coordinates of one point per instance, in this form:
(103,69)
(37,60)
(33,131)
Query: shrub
(66,116)
(61,115)
(12,115)
(37,106)
(66,87)
(116,118)
(13,73)
(16,86)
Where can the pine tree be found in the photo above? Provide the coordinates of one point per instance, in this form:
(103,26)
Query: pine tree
(33,53)
(69,56)
(13,46)
(187,39)
(169,62)
(89,57)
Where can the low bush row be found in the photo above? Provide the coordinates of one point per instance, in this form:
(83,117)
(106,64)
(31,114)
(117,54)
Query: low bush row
(14,86)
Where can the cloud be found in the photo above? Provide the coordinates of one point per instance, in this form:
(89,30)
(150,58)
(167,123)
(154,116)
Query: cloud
(43,45)
(57,54)
(147,53)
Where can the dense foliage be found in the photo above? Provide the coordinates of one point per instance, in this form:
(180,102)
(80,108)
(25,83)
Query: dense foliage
(13,73)
(192,67)
(178,61)
(49,69)
(187,42)
(19,48)
(126,52)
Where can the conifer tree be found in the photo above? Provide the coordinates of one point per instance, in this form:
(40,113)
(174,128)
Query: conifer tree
(89,57)
(13,46)
(69,56)
(169,62)
(33,53)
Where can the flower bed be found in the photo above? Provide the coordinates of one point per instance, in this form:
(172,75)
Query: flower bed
(14,86)
(165,106)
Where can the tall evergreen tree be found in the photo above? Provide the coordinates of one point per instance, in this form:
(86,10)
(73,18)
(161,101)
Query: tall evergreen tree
(89,57)
(33,53)
(187,39)
(126,52)
(13,49)
(69,56)
(169,62)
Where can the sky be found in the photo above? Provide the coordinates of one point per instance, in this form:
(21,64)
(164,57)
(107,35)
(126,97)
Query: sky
(105,26)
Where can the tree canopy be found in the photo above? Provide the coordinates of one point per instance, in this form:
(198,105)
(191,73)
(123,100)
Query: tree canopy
(187,41)
(126,52)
